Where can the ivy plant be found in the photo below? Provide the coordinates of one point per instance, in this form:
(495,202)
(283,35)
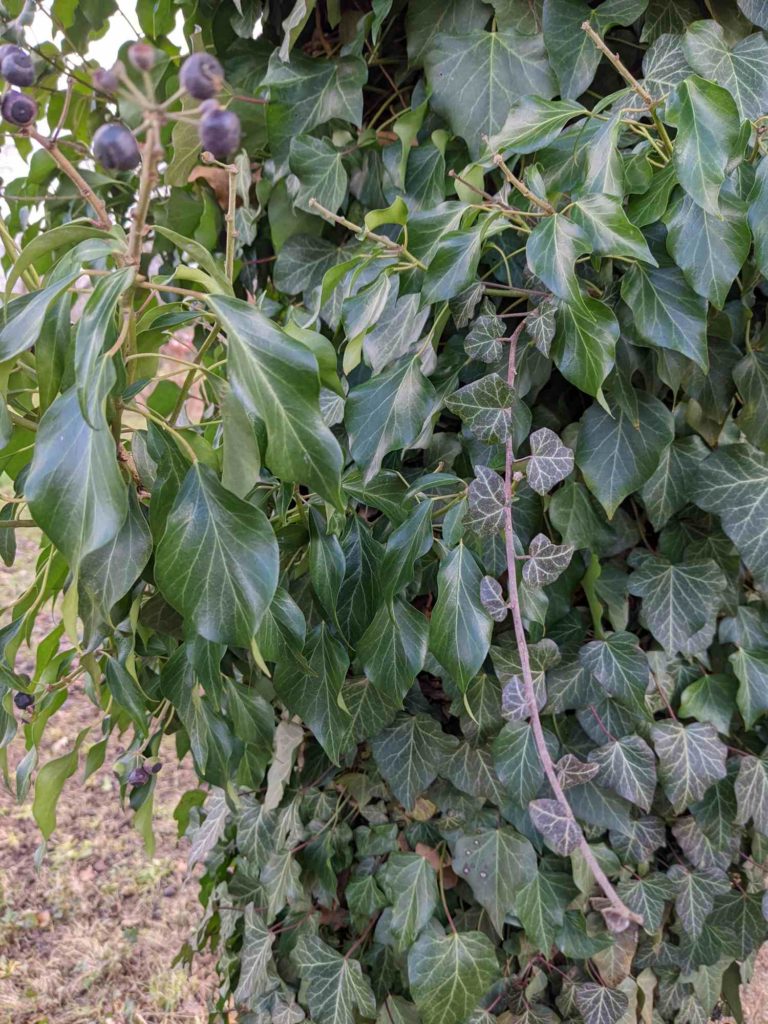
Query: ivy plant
(441,550)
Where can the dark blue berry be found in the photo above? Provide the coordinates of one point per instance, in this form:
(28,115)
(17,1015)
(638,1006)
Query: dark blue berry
(105,80)
(155,768)
(17,67)
(220,133)
(23,700)
(18,108)
(201,75)
(138,777)
(115,147)
(142,55)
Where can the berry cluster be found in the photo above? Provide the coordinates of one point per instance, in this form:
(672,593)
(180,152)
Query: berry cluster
(202,77)
(16,68)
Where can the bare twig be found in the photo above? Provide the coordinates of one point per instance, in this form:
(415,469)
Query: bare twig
(521,187)
(617,62)
(633,83)
(372,236)
(617,906)
(52,147)
(229,219)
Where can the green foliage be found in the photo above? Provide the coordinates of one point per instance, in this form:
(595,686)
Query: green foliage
(450,577)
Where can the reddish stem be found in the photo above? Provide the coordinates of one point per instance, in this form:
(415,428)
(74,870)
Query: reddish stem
(617,904)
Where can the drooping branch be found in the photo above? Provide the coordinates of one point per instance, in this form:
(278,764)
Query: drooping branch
(632,82)
(621,912)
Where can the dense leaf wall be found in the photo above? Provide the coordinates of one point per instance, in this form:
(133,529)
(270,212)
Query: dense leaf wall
(452,579)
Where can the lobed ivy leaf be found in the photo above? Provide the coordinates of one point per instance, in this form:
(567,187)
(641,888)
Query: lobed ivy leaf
(485,502)
(334,986)
(691,759)
(476,77)
(555,822)
(495,863)
(546,561)
(449,974)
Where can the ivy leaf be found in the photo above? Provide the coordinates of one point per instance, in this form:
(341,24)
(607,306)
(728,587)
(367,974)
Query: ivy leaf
(751,378)
(552,249)
(387,413)
(665,16)
(319,168)
(628,767)
(541,904)
(691,759)
(453,17)
(496,864)
(405,546)
(255,956)
(109,572)
(410,883)
(709,249)
(448,974)
(276,379)
(95,332)
(23,317)
(334,987)
(74,488)
(452,264)
(517,761)
(585,343)
(617,455)
(738,68)
(573,772)
(532,123)
(460,629)
(666,312)
(751,789)
(305,92)
(485,502)
(573,54)
(751,669)
(484,338)
(547,561)
(393,648)
(621,668)
(492,598)
(476,77)
(696,892)
(217,562)
(670,487)
(599,1005)
(405,755)
(555,822)
(311,688)
(550,463)
(679,601)
(733,483)
(648,897)
(540,325)
(487,406)
(608,229)
(396,332)
(708,138)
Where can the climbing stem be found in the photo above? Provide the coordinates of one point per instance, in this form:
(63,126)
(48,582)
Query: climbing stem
(617,905)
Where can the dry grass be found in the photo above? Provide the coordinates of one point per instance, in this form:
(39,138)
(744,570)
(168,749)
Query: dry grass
(90,938)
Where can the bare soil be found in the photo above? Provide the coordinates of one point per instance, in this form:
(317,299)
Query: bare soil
(91,937)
